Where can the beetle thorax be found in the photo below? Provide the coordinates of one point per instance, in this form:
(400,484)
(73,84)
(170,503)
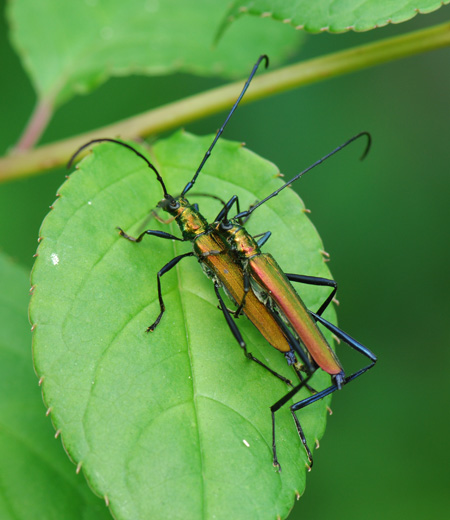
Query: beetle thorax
(189,220)
(244,243)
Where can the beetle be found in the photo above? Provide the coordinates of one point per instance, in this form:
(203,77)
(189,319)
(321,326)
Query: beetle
(231,258)
(265,278)
(212,254)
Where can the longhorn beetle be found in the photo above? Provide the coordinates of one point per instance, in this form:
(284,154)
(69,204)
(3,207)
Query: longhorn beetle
(265,278)
(231,258)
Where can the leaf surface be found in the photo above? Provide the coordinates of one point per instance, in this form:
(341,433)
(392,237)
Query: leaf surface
(332,15)
(73,46)
(173,424)
(37,480)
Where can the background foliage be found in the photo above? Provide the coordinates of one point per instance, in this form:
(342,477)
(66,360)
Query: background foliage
(385,225)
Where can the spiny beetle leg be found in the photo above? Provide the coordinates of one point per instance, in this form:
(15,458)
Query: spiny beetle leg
(164,270)
(155,233)
(312,399)
(315,280)
(303,439)
(274,408)
(327,391)
(237,334)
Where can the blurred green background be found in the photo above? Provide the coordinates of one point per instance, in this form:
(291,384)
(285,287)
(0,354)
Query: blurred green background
(384,222)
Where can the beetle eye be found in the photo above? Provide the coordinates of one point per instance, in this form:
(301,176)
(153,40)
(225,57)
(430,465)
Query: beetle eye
(226,225)
(174,204)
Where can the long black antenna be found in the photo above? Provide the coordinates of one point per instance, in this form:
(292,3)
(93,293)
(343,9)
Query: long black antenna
(324,158)
(219,133)
(103,139)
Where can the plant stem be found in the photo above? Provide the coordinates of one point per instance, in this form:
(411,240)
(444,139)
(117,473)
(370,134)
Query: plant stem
(195,107)
(35,127)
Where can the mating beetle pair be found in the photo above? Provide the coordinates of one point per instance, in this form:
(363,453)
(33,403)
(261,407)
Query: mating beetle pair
(232,259)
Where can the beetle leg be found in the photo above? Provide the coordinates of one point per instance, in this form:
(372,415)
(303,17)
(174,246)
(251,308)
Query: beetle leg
(320,395)
(275,407)
(310,366)
(315,280)
(264,238)
(164,270)
(246,289)
(237,334)
(159,234)
(359,347)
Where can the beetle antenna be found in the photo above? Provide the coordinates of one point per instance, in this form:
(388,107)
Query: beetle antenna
(115,141)
(320,161)
(221,129)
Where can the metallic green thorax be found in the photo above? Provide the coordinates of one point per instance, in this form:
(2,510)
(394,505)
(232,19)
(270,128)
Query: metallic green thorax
(273,288)
(189,220)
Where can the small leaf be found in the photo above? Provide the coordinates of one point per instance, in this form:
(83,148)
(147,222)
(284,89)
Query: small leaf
(37,479)
(73,46)
(332,15)
(176,423)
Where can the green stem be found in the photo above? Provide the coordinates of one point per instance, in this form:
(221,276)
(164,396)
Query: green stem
(195,107)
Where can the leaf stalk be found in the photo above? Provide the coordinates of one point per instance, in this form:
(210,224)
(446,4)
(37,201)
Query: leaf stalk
(31,162)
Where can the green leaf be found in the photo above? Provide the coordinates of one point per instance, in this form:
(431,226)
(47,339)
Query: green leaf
(36,478)
(161,421)
(73,46)
(333,16)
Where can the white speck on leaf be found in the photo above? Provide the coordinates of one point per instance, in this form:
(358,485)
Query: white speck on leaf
(54,258)
(246,443)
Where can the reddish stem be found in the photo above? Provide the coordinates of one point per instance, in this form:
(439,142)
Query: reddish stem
(36,125)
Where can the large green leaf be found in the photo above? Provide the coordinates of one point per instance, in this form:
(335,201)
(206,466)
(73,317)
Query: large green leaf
(72,46)
(37,481)
(332,15)
(173,424)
